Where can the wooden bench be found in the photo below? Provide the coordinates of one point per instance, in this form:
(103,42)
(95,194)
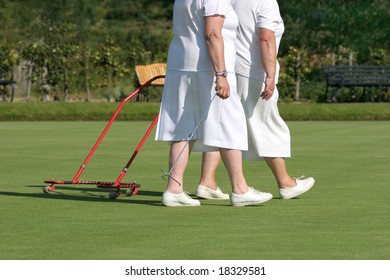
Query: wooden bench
(7,82)
(363,76)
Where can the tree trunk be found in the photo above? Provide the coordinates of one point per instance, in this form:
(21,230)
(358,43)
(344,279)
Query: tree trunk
(66,86)
(28,90)
(298,77)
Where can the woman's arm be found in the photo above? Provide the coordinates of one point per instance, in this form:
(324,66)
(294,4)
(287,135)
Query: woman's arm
(214,39)
(268,54)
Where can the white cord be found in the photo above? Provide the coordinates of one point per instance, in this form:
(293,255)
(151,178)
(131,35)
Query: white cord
(169,174)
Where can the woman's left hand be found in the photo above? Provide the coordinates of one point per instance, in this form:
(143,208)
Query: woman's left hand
(222,87)
(269,88)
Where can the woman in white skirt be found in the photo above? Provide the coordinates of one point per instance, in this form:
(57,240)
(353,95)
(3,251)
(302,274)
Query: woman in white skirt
(201,65)
(259,34)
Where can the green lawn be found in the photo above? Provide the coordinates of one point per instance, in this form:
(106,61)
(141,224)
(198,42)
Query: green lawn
(345,215)
(144,111)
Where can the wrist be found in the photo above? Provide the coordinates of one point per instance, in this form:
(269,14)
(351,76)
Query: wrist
(221,74)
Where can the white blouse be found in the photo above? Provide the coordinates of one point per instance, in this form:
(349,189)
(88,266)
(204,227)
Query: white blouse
(188,50)
(262,14)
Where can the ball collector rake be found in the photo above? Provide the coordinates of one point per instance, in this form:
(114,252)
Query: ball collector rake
(132,188)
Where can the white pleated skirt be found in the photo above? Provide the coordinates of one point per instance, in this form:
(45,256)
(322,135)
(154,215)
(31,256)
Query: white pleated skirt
(268,134)
(187,103)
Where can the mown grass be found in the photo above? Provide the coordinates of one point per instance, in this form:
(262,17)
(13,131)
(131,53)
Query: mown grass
(40,111)
(345,216)
(57,111)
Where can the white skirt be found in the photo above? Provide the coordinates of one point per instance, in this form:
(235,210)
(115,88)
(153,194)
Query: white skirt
(186,98)
(268,134)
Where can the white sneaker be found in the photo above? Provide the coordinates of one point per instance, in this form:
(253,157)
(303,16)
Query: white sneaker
(207,193)
(252,197)
(301,187)
(181,199)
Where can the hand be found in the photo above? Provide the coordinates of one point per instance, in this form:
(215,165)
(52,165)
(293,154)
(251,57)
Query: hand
(269,88)
(222,87)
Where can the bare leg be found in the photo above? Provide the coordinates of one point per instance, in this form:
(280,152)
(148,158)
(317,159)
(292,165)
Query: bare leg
(180,161)
(232,160)
(242,194)
(279,169)
(210,161)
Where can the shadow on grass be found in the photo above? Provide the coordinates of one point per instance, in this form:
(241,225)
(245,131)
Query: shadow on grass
(98,195)
(91,195)
(96,190)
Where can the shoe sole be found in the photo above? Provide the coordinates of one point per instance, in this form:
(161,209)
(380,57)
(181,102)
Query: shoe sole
(176,204)
(211,197)
(249,203)
(205,195)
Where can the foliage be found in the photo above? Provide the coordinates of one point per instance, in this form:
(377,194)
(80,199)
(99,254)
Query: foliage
(336,32)
(296,66)
(107,59)
(326,26)
(379,56)
(53,57)
(9,58)
(321,32)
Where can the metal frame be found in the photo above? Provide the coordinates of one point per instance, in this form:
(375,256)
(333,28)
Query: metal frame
(118,185)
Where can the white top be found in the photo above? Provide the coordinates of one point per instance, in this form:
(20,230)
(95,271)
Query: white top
(188,50)
(254,14)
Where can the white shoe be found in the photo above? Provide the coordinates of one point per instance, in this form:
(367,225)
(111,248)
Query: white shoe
(207,193)
(301,187)
(181,199)
(252,197)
